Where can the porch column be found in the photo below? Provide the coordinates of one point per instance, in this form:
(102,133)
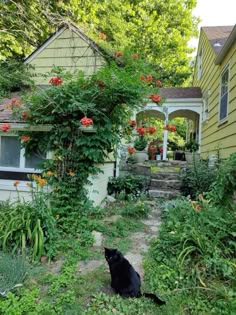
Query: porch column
(165,136)
(200,131)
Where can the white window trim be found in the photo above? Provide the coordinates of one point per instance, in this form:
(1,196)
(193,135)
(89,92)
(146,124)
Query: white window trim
(225,119)
(21,168)
(199,64)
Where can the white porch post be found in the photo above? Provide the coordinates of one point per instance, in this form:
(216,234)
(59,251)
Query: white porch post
(200,131)
(165,137)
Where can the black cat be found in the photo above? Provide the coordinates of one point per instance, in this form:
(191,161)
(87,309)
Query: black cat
(124,279)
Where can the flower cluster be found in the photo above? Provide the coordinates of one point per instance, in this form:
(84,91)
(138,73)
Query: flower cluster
(134,56)
(86,121)
(151,130)
(25,138)
(131,150)
(39,180)
(101,84)
(141,130)
(170,128)
(5,127)
(155,98)
(14,103)
(132,123)
(103,36)
(149,79)
(55,81)
(118,54)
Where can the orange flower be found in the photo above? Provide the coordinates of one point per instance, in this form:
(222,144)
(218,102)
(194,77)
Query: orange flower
(103,36)
(71,173)
(24,115)
(118,54)
(149,78)
(151,130)
(155,98)
(50,173)
(25,138)
(132,123)
(56,81)
(131,150)
(5,127)
(198,207)
(141,130)
(16,183)
(86,121)
(143,78)
(134,56)
(158,82)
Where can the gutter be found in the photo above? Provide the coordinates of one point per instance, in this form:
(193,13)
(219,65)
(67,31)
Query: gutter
(229,42)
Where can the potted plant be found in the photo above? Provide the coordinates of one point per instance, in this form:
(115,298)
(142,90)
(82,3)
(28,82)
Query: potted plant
(190,150)
(140,144)
(152,151)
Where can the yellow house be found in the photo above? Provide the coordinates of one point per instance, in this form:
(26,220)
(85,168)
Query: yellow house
(215,74)
(70,49)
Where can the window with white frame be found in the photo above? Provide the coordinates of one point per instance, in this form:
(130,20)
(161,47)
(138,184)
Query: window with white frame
(224,94)
(12,156)
(205,107)
(199,65)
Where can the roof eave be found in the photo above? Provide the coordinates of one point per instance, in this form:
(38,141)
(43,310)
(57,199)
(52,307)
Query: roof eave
(229,42)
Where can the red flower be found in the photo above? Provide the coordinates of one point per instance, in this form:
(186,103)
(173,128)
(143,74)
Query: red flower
(5,127)
(172,128)
(198,207)
(141,130)
(131,150)
(134,56)
(143,78)
(25,138)
(158,82)
(149,78)
(103,36)
(155,98)
(151,130)
(24,115)
(153,148)
(118,54)
(86,121)
(16,183)
(101,84)
(132,123)
(55,81)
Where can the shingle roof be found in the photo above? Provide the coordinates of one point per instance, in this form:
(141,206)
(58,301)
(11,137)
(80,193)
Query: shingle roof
(6,114)
(217,36)
(181,92)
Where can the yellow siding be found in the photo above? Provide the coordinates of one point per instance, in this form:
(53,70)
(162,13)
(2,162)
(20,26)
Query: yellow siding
(215,135)
(69,52)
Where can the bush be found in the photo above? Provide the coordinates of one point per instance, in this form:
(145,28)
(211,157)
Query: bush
(136,210)
(192,260)
(130,185)
(197,178)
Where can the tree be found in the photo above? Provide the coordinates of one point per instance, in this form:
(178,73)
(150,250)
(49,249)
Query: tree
(158,29)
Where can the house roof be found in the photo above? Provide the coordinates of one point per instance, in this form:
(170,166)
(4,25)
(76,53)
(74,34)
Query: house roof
(6,114)
(73,28)
(181,92)
(228,44)
(217,36)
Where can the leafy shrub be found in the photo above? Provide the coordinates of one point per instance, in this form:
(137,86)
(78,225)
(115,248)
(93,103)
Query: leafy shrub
(197,178)
(136,210)
(224,186)
(194,255)
(130,185)
(24,226)
(12,272)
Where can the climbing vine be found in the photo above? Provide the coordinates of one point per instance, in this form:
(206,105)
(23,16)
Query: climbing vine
(105,100)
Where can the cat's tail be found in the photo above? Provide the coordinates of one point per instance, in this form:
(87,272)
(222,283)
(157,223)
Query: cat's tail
(155,298)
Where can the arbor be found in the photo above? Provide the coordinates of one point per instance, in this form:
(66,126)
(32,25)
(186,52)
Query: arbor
(159,29)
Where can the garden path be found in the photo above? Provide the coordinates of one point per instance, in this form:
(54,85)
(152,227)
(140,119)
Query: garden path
(139,241)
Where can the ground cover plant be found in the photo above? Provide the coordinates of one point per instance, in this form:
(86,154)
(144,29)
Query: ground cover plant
(193,259)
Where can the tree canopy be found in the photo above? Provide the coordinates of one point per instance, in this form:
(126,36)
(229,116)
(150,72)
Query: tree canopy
(157,29)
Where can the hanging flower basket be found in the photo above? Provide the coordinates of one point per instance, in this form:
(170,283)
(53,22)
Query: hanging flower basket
(89,129)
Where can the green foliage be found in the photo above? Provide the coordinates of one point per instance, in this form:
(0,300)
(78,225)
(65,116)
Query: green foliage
(137,210)
(12,272)
(192,146)
(27,225)
(194,256)
(140,143)
(197,178)
(224,186)
(130,185)
(14,76)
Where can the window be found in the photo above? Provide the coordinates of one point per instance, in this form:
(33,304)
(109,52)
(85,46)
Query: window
(12,156)
(199,65)
(205,106)
(224,94)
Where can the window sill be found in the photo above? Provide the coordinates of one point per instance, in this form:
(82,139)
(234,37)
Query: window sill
(222,122)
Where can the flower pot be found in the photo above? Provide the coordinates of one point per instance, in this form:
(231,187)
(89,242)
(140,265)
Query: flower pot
(158,157)
(189,156)
(140,156)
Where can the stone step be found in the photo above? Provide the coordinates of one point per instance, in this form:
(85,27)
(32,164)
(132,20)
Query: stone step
(165,184)
(165,176)
(168,194)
